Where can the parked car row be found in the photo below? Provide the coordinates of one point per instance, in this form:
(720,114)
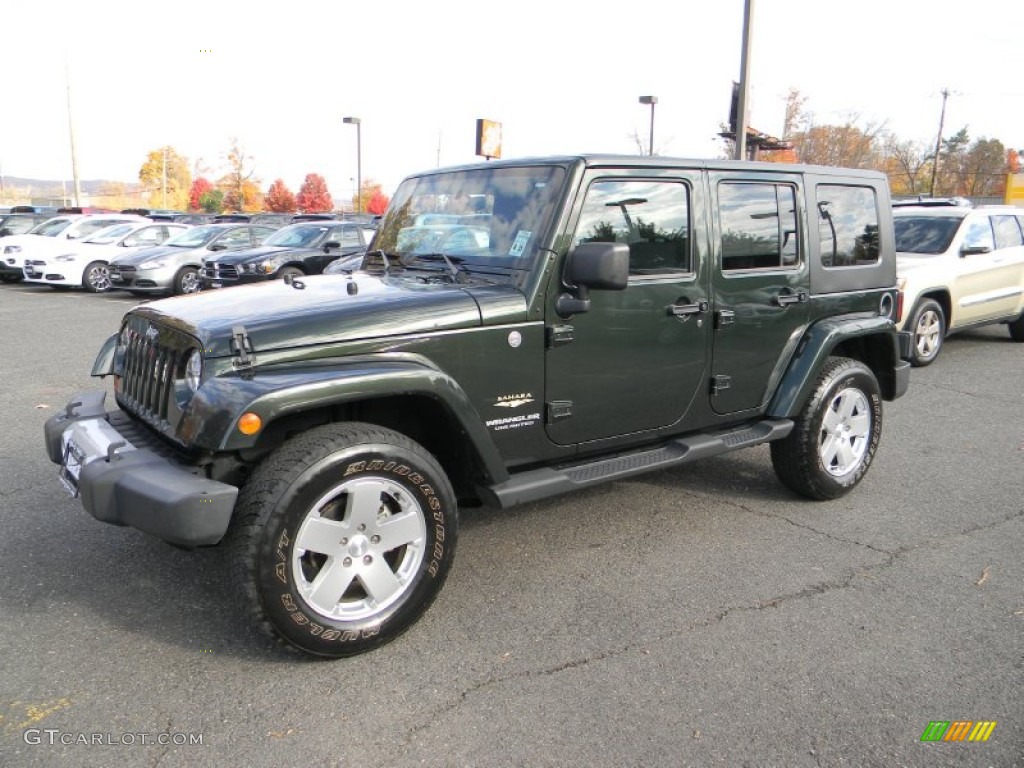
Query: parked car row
(101,252)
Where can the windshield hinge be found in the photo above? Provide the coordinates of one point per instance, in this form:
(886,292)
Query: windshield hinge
(241,345)
(559,335)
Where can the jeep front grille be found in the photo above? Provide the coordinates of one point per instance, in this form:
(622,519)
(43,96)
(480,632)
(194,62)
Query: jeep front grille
(154,363)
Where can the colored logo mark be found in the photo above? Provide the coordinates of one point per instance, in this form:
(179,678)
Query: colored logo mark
(958,730)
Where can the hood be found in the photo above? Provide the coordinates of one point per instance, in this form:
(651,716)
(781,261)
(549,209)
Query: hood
(911,262)
(153,252)
(254,254)
(276,315)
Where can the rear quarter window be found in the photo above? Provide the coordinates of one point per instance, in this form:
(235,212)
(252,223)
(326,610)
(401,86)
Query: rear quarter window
(847,225)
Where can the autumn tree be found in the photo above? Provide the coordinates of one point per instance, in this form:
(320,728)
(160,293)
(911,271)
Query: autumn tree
(378,203)
(233,183)
(313,196)
(279,198)
(975,169)
(199,188)
(908,166)
(250,201)
(167,177)
(371,190)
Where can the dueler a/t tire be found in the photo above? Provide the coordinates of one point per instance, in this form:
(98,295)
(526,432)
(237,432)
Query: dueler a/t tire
(343,537)
(836,434)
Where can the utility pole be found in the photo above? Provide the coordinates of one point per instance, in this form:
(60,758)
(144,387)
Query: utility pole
(164,185)
(741,107)
(938,141)
(71,135)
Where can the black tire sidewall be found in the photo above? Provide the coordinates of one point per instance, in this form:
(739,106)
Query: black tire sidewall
(296,622)
(858,378)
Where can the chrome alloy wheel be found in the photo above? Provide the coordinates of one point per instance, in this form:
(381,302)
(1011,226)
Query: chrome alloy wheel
(927,334)
(845,431)
(97,278)
(359,549)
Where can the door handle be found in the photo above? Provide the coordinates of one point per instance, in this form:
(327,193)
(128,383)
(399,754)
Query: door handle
(785,299)
(685,310)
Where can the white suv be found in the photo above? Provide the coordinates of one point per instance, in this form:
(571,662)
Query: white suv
(957,267)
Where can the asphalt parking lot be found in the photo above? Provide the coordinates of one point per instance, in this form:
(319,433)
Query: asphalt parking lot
(701,616)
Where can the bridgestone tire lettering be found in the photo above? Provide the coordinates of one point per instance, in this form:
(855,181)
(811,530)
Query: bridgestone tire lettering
(349,504)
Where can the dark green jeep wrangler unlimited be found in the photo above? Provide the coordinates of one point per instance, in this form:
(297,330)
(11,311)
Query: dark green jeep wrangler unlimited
(519,329)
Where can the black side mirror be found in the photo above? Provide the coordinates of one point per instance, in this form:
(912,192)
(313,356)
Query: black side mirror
(218,247)
(596,266)
(331,245)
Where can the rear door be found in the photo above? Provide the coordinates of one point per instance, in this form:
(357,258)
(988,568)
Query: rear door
(988,285)
(760,284)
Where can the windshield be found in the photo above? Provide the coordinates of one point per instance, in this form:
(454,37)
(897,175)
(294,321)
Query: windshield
(110,234)
(51,227)
(484,217)
(195,237)
(298,236)
(925,234)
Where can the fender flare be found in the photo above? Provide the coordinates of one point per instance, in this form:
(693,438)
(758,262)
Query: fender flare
(272,393)
(814,350)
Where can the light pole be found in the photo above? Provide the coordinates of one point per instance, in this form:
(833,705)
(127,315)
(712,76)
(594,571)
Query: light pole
(359,159)
(652,100)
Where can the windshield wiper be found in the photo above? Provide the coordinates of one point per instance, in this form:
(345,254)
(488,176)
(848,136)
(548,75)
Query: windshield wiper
(383,257)
(454,263)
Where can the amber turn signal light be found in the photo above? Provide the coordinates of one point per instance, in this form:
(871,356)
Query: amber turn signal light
(249,423)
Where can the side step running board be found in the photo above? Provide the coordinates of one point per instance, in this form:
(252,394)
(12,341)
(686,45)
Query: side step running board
(537,484)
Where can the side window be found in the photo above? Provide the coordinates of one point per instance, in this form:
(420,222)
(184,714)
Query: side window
(759,226)
(979,234)
(847,225)
(652,217)
(1007,231)
(236,238)
(348,236)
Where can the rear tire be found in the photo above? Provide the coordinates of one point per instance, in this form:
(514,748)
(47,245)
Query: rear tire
(1017,329)
(343,537)
(928,325)
(836,434)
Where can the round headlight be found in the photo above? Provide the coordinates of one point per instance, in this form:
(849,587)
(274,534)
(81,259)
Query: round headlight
(194,370)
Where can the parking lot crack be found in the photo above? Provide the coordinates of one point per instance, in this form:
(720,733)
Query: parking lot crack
(987,397)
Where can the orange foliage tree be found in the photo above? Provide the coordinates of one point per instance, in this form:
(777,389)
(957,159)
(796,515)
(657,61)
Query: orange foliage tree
(279,198)
(313,196)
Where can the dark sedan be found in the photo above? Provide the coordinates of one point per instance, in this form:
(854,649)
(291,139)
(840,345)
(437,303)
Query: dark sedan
(298,249)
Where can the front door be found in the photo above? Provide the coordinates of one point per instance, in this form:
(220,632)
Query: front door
(635,361)
(760,299)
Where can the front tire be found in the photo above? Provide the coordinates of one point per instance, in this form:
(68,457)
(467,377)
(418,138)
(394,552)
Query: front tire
(187,281)
(836,434)
(96,277)
(929,328)
(343,537)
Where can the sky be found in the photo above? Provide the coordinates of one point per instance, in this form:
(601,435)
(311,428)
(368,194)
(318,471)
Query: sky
(562,77)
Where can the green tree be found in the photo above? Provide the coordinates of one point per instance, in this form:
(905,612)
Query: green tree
(167,178)
(212,201)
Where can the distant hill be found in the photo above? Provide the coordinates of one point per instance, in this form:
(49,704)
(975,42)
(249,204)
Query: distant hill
(89,186)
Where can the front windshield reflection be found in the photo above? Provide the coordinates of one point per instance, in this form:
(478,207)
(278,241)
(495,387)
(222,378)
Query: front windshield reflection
(489,217)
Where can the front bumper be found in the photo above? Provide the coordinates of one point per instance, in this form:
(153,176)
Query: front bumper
(126,484)
(143,280)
